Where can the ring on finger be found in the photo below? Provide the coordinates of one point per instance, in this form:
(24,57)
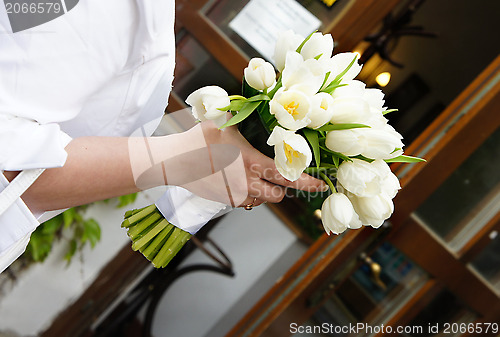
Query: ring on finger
(250,206)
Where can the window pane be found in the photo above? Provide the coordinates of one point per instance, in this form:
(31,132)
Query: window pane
(361,298)
(445,312)
(468,199)
(487,263)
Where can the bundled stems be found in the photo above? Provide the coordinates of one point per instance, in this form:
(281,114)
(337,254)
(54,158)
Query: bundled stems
(157,239)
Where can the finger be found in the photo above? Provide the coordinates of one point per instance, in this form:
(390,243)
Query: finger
(305,182)
(252,201)
(266,191)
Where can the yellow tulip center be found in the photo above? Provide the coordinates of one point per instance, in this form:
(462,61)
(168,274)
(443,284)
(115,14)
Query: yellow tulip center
(291,107)
(290,153)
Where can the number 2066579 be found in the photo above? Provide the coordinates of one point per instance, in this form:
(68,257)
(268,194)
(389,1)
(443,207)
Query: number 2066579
(476,328)
(33,8)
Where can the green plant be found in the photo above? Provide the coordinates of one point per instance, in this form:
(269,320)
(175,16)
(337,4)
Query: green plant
(71,226)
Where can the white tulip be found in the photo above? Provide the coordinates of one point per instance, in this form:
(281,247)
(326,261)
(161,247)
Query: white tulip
(353,88)
(305,75)
(339,62)
(337,214)
(373,208)
(381,143)
(346,142)
(206,103)
(373,143)
(350,110)
(318,45)
(367,179)
(374,98)
(389,181)
(260,74)
(373,211)
(321,110)
(287,41)
(292,153)
(291,108)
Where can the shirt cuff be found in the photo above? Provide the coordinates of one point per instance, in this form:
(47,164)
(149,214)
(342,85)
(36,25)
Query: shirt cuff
(186,210)
(27,144)
(16,225)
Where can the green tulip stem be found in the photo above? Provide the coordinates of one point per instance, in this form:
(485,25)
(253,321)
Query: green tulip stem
(167,248)
(140,227)
(150,235)
(132,219)
(152,250)
(176,246)
(328,181)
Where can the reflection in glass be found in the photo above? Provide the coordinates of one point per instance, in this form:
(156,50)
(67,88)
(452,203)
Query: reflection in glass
(487,263)
(468,199)
(363,298)
(196,68)
(445,309)
(222,12)
(435,70)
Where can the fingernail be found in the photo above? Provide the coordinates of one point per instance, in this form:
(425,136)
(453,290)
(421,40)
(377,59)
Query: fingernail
(325,188)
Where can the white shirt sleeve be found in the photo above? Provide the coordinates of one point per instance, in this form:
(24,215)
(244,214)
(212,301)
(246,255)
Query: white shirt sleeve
(26,144)
(188,211)
(14,238)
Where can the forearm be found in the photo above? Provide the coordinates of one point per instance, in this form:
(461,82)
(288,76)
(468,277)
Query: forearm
(97,168)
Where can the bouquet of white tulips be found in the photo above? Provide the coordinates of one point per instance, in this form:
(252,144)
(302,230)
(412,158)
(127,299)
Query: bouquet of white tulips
(319,120)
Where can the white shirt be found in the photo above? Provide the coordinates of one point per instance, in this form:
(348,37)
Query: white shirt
(98,70)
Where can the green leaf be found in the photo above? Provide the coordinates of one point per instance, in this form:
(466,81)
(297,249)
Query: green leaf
(235,105)
(342,126)
(240,116)
(278,85)
(326,79)
(330,88)
(369,160)
(125,200)
(51,226)
(299,49)
(405,159)
(388,111)
(336,161)
(265,116)
(71,250)
(68,217)
(261,97)
(91,232)
(312,138)
(39,246)
(336,154)
(339,76)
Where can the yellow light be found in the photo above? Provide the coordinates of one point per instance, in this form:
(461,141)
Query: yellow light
(383,78)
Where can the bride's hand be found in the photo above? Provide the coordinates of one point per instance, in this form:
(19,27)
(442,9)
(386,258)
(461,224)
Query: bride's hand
(243,175)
